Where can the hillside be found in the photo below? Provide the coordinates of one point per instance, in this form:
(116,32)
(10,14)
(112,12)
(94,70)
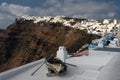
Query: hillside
(25,41)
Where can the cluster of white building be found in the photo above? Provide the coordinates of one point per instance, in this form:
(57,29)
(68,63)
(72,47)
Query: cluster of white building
(92,26)
(105,26)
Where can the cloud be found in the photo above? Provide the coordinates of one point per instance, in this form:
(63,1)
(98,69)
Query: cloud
(111,14)
(6,20)
(51,2)
(78,8)
(14,9)
(8,13)
(74,8)
(6,16)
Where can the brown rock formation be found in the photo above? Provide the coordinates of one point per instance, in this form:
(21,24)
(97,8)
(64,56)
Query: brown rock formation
(24,42)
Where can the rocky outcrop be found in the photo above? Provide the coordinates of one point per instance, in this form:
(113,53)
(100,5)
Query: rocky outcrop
(25,41)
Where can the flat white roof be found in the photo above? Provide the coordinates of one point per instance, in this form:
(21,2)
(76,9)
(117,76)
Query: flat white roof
(88,68)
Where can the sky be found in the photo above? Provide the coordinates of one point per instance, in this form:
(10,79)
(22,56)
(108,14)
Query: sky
(90,9)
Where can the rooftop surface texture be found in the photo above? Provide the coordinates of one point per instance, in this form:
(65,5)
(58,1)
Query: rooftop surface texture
(88,68)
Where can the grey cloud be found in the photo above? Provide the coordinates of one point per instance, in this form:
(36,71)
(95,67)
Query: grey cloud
(86,8)
(14,9)
(8,12)
(73,8)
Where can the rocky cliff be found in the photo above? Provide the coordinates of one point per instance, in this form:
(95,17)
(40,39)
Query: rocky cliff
(24,41)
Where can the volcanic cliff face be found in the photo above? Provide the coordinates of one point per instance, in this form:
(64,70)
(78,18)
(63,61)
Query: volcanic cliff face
(24,41)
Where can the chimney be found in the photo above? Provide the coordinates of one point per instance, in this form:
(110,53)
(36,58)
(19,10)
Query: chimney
(62,53)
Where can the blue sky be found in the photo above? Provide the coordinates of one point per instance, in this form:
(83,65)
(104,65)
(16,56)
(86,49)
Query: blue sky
(92,9)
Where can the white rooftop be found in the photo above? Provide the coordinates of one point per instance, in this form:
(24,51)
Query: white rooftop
(88,68)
